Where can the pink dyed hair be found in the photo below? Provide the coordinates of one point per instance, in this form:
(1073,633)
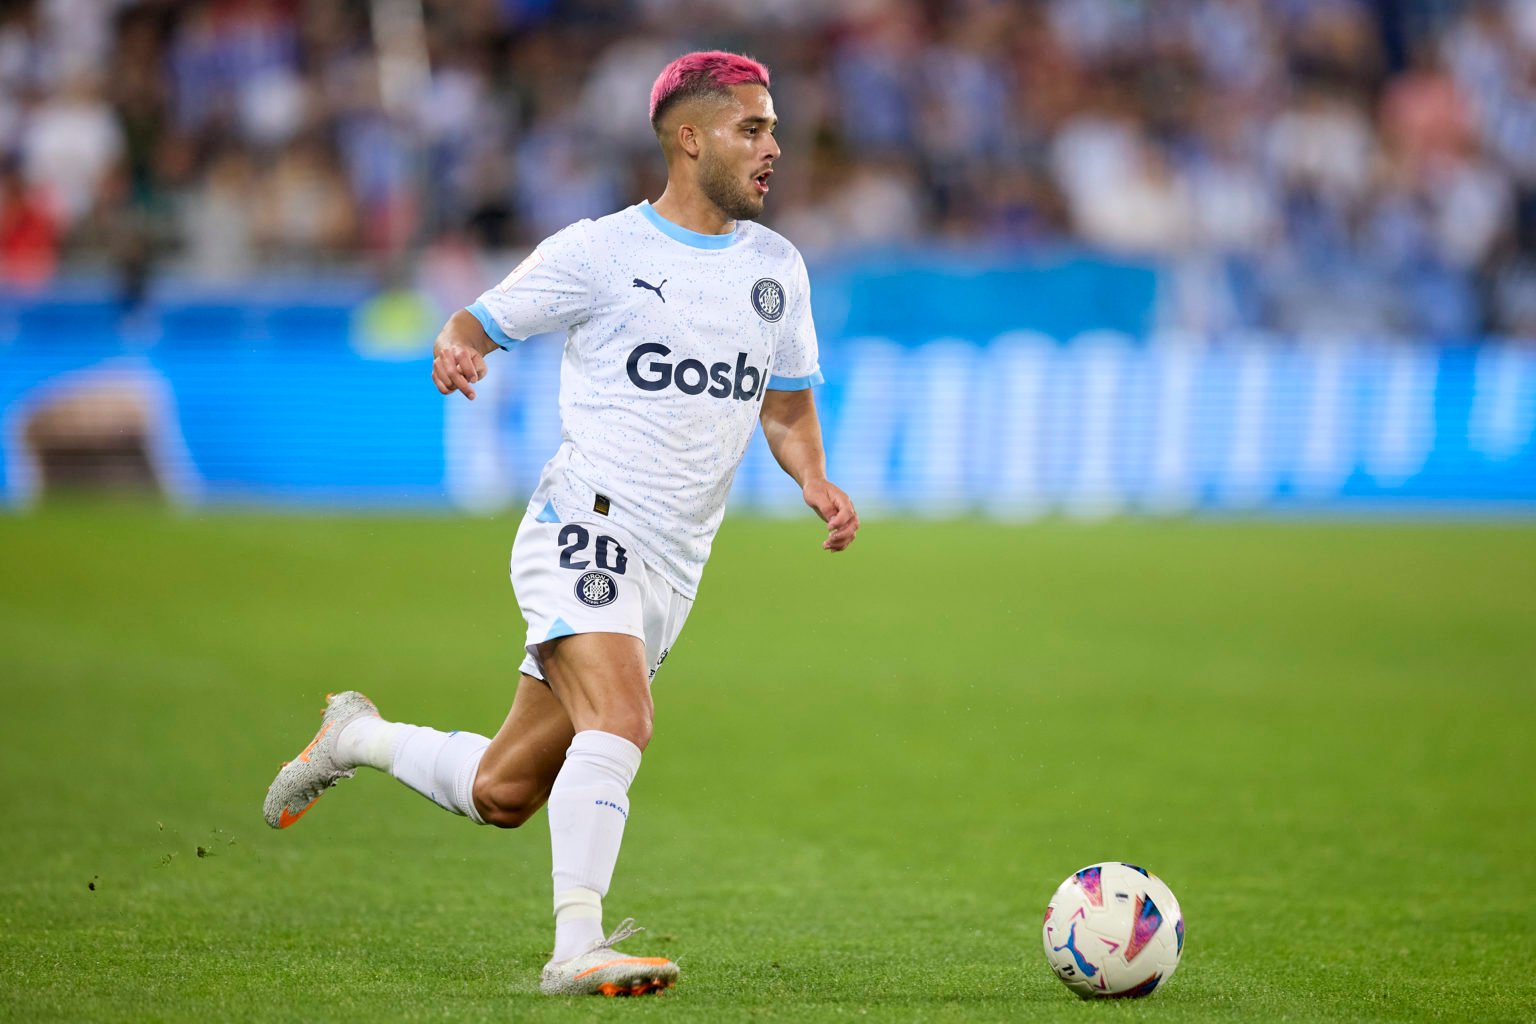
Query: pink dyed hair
(703,73)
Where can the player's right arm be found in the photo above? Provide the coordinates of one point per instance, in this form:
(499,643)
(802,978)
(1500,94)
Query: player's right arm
(548,291)
(458,355)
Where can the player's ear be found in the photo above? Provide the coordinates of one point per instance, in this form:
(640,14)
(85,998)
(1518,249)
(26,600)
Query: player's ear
(688,139)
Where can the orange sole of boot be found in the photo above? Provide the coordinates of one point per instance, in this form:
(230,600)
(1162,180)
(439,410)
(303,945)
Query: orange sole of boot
(639,988)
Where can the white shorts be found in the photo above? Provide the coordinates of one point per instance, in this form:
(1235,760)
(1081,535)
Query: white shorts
(588,578)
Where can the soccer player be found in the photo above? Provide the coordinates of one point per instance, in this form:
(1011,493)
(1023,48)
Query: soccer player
(686,324)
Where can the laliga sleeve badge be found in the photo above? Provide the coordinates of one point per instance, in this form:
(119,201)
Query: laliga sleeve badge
(596,589)
(768,299)
(521,271)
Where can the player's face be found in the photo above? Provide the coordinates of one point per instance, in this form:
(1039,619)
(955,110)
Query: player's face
(738,153)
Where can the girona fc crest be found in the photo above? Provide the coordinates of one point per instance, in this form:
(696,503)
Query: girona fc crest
(596,589)
(768,299)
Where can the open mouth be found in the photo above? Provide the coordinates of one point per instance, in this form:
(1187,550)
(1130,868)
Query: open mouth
(761,181)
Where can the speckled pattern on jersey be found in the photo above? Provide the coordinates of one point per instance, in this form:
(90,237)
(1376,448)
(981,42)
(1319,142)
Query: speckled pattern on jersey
(673,339)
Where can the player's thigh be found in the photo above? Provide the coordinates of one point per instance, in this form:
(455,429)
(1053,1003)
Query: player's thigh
(519,767)
(603,682)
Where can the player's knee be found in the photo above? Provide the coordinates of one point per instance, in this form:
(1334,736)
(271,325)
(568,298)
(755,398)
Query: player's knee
(507,804)
(631,720)
(640,731)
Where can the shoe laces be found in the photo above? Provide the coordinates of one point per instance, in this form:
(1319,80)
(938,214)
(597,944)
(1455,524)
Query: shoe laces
(626,929)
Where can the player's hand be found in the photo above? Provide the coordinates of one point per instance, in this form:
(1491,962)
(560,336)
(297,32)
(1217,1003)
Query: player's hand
(456,367)
(836,508)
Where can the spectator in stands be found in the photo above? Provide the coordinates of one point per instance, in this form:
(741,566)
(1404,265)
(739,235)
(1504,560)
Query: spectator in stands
(1294,146)
(70,146)
(29,236)
(305,213)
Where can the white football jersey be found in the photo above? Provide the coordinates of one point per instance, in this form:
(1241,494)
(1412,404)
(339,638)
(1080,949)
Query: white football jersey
(672,338)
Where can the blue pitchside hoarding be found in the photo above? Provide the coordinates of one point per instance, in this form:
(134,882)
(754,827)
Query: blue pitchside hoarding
(1014,425)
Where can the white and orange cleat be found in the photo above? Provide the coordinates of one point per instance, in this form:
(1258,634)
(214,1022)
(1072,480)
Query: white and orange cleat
(302,781)
(604,971)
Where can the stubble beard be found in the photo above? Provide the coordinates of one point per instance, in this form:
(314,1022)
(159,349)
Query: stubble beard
(721,187)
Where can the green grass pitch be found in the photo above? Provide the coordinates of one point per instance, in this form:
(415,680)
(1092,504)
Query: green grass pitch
(868,775)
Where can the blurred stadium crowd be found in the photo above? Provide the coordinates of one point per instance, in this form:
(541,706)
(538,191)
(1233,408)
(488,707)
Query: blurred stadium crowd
(1295,164)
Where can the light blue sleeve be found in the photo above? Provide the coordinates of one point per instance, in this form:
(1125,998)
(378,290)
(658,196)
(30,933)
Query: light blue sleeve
(492,328)
(779,382)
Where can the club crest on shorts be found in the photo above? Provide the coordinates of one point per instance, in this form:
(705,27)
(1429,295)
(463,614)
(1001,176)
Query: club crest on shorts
(596,589)
(768,299)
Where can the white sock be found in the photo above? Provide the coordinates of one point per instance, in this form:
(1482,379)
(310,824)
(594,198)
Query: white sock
(587,810)
(578,921)
(369,740)
(441,766)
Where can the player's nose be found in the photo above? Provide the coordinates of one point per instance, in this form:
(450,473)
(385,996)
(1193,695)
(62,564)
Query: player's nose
(771,149)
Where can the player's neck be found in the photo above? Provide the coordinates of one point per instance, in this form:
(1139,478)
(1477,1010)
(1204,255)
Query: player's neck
(694,212)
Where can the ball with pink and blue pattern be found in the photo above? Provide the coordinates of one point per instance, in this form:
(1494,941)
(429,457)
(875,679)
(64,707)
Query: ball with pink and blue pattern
(1113,931)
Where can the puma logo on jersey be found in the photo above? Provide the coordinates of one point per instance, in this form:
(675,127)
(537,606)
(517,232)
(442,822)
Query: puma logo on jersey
(653,287)
(649,370)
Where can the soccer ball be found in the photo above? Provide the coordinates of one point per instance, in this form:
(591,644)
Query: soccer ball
(1113,931)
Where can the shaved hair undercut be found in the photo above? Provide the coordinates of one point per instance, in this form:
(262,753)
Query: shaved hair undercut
(702,73)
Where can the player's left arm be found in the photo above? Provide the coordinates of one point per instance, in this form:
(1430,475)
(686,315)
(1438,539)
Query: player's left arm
(793,433)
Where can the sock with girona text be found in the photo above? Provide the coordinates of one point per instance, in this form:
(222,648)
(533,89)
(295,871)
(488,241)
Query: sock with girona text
(587,811)
(441,766)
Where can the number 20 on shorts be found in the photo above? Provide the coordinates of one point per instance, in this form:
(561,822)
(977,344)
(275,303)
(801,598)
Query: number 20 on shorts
(574,540)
